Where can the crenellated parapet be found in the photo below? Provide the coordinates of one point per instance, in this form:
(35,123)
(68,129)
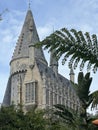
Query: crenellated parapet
(17,65)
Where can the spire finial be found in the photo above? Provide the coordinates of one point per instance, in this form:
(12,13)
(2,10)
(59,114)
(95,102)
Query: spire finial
(29,4)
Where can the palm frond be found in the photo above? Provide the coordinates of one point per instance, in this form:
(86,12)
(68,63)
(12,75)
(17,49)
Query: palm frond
(88,39)
(95,99)
(73,44)
(63,112)
(80,77)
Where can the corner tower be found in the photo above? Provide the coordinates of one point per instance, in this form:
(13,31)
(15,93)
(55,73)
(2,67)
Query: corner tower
(23,61)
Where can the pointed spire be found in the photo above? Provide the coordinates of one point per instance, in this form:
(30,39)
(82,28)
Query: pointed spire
(53,60)
(28,37)
(53,63)
(71,75)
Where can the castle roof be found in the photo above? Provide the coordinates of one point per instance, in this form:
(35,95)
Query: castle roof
(49,73)
(27,38)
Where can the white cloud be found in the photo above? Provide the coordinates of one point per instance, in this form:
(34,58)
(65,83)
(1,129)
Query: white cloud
(9,31)
(86,28)
(3,83)
(44,31)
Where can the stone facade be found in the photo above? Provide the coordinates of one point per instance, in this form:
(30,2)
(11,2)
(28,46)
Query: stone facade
(32,81)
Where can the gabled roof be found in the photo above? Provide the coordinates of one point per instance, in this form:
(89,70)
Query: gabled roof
(28,37)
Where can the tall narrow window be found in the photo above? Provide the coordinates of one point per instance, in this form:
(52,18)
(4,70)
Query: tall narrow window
(47,96)
(51,98)
(55,98)
(30,92)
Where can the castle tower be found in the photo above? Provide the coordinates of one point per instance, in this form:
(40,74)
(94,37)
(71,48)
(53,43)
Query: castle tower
(23,61)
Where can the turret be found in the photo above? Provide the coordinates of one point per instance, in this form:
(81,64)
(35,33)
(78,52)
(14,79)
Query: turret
(53,63)
(71,75)
(23,60)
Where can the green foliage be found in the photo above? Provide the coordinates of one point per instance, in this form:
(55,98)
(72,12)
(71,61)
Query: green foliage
(35,120)
(64,113)
(68,117)
(11,119)
(74,46)
(16,119)
(83,90)
(7,117)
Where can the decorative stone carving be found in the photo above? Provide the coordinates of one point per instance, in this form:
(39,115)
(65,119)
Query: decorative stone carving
(23,67)
(31,66)
(17,65)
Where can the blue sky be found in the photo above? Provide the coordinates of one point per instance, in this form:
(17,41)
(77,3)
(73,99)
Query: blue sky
(49,15)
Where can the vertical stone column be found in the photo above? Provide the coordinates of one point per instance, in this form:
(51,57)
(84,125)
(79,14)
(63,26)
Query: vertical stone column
(31,48)
(31,56)
(57,94)
(72,75)
(54,91)
(44,91)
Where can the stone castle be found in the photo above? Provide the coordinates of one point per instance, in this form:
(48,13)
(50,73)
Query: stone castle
(32,81)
